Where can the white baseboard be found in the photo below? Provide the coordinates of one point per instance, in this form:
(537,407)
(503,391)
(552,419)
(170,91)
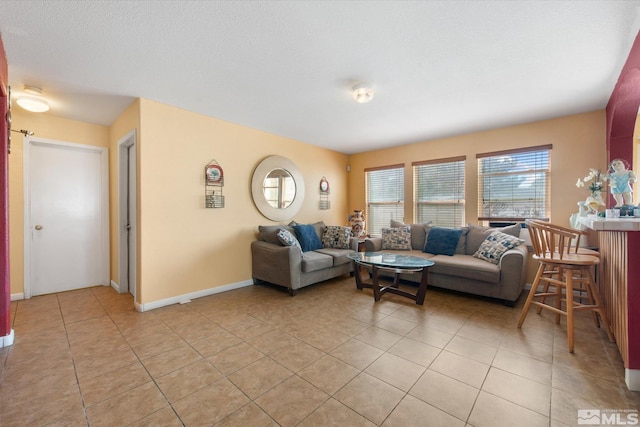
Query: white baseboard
(16,297)
(186,297)
(7,340)
(115,286)
(632,378)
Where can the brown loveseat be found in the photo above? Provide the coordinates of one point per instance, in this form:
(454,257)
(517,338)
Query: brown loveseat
(464,272)
(274,262)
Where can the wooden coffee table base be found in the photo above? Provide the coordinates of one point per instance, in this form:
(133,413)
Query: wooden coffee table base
(378,290)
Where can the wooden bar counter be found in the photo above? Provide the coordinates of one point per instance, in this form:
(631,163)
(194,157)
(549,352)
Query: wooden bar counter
(619,286)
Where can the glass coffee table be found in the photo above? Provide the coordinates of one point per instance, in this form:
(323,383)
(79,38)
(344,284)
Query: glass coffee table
(393,263)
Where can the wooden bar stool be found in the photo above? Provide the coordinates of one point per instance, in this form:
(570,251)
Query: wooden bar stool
(562,271)
(576,248)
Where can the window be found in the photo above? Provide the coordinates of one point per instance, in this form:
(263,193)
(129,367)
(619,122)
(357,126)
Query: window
(385,197)
(438,187)
(514,185)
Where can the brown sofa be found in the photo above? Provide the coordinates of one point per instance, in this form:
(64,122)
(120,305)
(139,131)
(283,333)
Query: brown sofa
(462,271)
(286,266)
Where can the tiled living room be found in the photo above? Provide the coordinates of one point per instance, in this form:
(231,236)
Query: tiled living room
(184,102)
(329,356)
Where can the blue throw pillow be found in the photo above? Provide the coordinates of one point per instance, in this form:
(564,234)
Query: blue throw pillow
(442,241)
(308,238)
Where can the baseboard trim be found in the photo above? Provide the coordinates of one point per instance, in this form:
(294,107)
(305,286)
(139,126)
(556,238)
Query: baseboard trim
(115,286)
(632,378)
(7,340)
(16,297)
(193,295)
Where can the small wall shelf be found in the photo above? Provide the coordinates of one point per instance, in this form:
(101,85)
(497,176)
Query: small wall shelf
(214,181)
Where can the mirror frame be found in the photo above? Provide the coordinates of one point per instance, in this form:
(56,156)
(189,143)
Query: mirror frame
(262,170)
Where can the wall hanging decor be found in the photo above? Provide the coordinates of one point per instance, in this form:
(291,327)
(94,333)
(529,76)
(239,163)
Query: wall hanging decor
(213,183)
(277,188)
(324,194)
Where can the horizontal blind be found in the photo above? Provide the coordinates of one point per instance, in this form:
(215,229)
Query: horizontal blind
(514,185)
(385,197)
(439,187)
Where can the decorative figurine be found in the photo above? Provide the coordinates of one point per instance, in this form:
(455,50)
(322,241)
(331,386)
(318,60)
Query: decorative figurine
(620,181)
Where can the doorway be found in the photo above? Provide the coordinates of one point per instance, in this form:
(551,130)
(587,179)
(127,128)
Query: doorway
(127,224)
(66,216)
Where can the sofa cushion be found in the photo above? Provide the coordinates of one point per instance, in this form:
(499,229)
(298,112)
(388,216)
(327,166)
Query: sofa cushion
(495,245)
(314,261)
(319,227)
(462,242)
(442,240)
(396,238)
(336,237)
(478,234)
(269,233)
(339,255)
(288,239)
(418,232)
(465,266)
(308,237)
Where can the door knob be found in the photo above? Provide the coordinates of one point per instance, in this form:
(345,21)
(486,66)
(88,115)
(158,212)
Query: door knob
(38,227)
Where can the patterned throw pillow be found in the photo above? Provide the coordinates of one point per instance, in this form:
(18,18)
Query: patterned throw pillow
(288,239)
(336,237)
(495,245)
(398,238)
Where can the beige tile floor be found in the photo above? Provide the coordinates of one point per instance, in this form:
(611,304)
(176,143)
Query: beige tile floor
(329,356)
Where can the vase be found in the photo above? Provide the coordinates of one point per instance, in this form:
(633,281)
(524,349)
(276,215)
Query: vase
(594,202)
(357,223)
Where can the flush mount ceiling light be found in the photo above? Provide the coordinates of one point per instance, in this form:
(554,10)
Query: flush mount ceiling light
(362,93)
(35,104)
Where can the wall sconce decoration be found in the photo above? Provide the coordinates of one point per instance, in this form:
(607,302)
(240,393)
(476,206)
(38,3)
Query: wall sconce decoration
(324,194)
(214,181)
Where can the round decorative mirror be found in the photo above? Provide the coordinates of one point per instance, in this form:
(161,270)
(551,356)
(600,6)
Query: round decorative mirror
(277,188)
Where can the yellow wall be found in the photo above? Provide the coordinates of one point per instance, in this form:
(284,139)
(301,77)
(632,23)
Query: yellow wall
(185,247)
(578,144)
(48,127)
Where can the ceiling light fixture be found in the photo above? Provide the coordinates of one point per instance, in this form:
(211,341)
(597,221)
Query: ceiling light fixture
(362,93)
(35,104)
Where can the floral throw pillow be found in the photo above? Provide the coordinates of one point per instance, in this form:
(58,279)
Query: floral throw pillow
(288,239)
(398,238)
(495,245)
(336,237)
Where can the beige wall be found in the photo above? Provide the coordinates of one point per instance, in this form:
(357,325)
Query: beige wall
(48,127)
(578,144)
(186,247)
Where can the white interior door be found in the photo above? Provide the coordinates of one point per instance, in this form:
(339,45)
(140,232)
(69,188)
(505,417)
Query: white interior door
(66,225)
(127,213)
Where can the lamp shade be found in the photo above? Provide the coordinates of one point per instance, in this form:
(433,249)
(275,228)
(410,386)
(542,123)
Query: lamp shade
(35,105)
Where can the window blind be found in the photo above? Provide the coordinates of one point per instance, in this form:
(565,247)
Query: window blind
(514,185)
(438,187)
(385,197)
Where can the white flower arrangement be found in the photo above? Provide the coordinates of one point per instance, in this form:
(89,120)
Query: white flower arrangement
(597,181)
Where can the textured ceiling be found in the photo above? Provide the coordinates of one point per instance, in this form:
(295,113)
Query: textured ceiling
(439,68)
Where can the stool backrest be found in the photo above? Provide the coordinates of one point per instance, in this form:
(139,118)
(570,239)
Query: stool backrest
(552,242)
